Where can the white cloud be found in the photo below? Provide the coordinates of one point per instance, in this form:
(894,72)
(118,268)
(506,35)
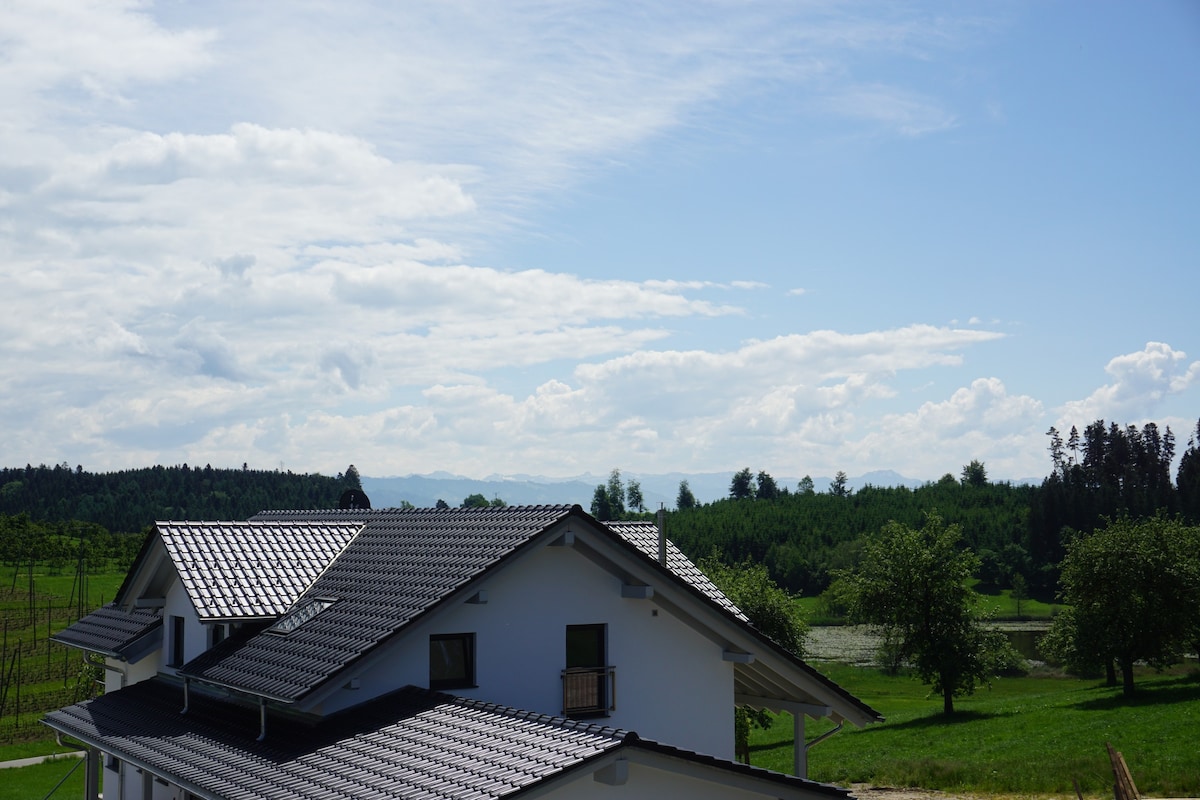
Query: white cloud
(981,421)
(1142,381)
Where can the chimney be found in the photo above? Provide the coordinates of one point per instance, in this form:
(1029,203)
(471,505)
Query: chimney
(662,535)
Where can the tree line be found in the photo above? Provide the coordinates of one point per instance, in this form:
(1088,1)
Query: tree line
(1018,532)
(130,500)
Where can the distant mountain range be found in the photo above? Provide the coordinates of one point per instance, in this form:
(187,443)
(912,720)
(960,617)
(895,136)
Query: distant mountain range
(424,491)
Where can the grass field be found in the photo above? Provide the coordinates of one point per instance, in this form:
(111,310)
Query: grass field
(1026,736)
(36,782)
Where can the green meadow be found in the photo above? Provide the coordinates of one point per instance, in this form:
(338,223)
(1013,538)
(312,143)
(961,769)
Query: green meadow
(1027,736)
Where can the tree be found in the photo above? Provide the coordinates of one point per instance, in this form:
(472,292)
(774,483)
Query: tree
(352,479)
(685,499)
(616,494)
(1133,590)
(474,501)
(442,505)
(1020,591)
(633,495)
(839,487)
(806,485)
(1187,479)
(771,609)
(767,488)
(974,474)
(742,485)
(911,585)
(601,507)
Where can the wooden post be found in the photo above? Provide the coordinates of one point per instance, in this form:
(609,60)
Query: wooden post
(1123,788)
(800,751)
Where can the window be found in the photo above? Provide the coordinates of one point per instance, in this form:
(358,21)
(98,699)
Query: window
(585,646)
(177,632)
(452,661)
(216,635)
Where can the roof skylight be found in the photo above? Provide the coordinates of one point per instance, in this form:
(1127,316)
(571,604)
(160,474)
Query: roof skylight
(301,614)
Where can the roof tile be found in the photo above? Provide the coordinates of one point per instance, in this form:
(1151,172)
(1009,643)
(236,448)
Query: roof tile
(251,569)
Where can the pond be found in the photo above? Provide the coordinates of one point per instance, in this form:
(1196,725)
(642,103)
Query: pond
(855,644)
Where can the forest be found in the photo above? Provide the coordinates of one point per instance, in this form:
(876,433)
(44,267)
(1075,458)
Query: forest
(129,501)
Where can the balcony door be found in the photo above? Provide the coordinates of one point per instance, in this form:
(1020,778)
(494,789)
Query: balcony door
(587,679)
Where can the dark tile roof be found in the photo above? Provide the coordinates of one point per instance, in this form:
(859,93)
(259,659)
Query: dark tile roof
(410,744)
(397,569)
(239,570)
(113,632)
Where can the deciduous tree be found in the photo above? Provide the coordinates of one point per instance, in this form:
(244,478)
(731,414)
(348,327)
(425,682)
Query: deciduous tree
(911,584)
(1133,591)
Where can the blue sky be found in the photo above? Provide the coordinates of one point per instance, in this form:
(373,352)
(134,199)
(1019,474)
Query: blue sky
(557,238)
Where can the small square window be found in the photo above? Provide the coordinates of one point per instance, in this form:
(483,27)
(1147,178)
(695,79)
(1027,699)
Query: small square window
(452,661)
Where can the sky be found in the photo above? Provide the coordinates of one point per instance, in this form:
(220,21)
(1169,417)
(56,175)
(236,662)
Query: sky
(557,238)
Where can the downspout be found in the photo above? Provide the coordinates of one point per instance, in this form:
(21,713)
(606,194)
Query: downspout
(810,745)
(262,719)
(800,747)
(110,668)
(186,696)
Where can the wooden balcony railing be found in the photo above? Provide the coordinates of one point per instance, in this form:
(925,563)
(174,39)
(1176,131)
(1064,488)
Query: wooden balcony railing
(589,691)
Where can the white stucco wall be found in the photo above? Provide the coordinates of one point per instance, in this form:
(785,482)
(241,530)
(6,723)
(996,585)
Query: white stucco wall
(671,682)
(195,634)
(122,673)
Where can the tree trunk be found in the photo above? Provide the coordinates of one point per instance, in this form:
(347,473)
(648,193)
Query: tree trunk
(1110,673)
(1127,677)
(947,701)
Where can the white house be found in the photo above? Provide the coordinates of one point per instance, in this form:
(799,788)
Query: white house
(496,652)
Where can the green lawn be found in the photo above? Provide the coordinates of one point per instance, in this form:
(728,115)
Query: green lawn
(36,782)
(1023,736)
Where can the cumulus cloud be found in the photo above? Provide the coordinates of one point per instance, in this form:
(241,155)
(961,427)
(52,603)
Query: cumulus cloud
(1141,382)
(981,421)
